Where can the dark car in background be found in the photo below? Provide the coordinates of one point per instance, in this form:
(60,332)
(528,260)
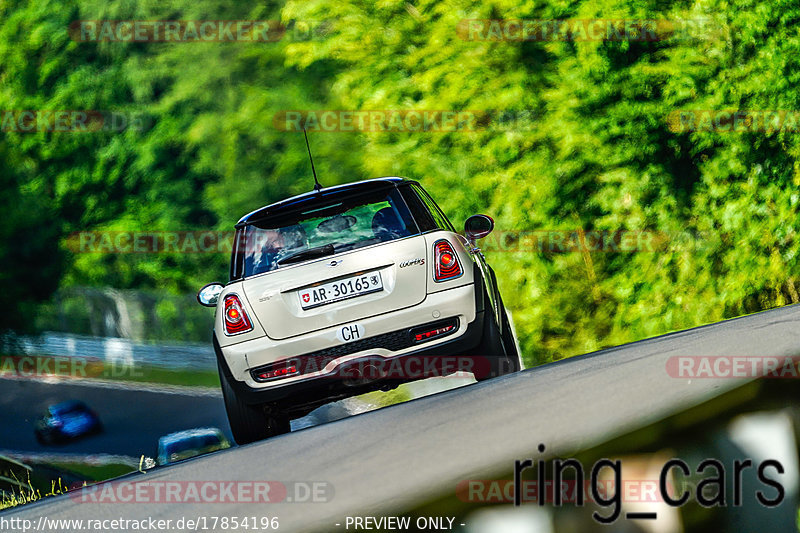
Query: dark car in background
(190,443)
(66,421)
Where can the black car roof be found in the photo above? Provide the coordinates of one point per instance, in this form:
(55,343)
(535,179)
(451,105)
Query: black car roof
(68,405)
(308,199)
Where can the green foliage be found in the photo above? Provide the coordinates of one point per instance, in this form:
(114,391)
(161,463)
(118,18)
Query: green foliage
(599,153)
(601,156)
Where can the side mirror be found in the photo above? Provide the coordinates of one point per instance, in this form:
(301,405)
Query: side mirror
(477,227)
(209,294)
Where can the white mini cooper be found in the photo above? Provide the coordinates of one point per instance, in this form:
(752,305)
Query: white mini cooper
(349,289)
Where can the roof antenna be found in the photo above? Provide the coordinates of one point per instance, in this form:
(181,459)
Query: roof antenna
(317,186)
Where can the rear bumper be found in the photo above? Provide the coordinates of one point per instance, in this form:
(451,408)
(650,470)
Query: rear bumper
(332,381)
(458,302)
(302,394)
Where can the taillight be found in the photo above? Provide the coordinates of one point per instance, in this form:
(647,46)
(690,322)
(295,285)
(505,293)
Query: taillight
(445,262)
(235,319)
(435,332)
(277,373)
(283,369)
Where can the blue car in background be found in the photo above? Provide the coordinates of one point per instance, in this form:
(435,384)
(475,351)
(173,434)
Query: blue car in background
(65,421)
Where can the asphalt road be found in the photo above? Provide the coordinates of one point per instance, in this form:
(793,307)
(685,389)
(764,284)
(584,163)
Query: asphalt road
(401,456)
(133,420)
(134,416)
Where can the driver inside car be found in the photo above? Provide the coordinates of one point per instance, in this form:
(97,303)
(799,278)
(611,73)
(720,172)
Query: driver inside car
(273,244)
(386,225)
(263,251)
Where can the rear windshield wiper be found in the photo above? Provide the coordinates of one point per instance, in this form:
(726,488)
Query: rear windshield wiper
(302,255)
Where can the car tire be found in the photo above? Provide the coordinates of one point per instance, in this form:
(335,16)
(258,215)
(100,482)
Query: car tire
(498,347)
(249,423)
(510,345)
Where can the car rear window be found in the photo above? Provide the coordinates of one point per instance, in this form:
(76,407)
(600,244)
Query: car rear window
(326,228)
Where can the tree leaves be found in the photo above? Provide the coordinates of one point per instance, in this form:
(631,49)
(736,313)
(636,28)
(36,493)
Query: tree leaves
(589,145)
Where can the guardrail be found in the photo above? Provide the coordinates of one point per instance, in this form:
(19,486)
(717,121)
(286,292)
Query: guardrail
(193,356)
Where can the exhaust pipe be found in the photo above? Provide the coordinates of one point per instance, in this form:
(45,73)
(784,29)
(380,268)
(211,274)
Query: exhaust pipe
(358,374)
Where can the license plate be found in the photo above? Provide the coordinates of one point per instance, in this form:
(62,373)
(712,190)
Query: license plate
(336,291)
